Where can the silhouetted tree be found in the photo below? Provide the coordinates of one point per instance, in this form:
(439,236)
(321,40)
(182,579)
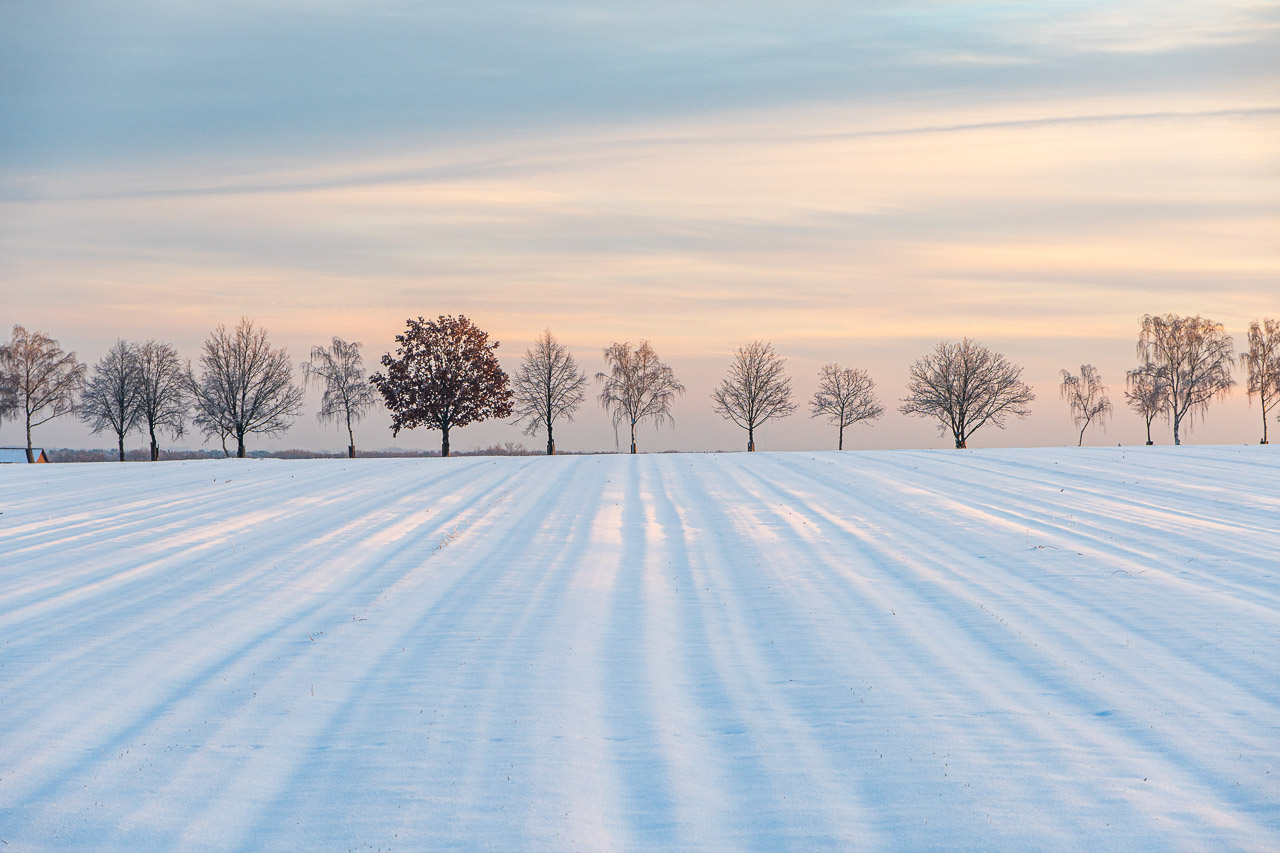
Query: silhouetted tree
(1087,398)
(44,380)
(845,396)
(246,386)
(444,375)
(1193,356)
(1146,393)
(637,386)
(1262,361)
(165,394)
(112,399)
(966,386)
(548,385)
(339,369)
(756,390)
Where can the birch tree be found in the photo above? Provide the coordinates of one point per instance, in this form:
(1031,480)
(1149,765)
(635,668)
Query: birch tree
(756,390)
(339,370)
(112,399)
(845,396)
(547,386)
(1192,356)
(165,395)
(637,387)
(1262,361)
(1147,394)
(1087,398)
(966,386)
(44,380)
(246,386)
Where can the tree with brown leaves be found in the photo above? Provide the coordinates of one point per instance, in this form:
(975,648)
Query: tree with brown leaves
(966,386)
(444,375)
(637,387)
(845,396)
(43,380)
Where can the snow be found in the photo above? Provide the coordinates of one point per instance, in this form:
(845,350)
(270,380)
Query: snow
(1031,648)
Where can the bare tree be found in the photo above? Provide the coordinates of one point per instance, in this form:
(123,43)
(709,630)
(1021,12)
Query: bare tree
(165,393)
(966,386)
(445,374)
(637,386)
(1147,394)
(548,385)
(1262,360)
(44,380)
(112,399)
(339,369)
(245,387)
(756,390)
(1193,356)
(1087,397)
(846,396)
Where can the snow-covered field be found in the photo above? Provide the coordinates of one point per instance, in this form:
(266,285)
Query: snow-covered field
(1016,649)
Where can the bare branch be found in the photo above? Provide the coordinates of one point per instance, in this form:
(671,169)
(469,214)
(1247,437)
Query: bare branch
(547,386)
(756,390)
(845,396)
(1087,398)
(637,387)
(966,386)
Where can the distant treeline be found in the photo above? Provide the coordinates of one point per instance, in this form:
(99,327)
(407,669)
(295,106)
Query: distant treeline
(445,374)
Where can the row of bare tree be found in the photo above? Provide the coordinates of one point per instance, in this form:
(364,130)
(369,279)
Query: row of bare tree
(445,374)
(1185,364)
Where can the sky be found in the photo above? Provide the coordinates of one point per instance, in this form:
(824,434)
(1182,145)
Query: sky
(852,181)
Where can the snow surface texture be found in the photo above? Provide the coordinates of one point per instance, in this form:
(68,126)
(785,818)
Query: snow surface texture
(1054,648)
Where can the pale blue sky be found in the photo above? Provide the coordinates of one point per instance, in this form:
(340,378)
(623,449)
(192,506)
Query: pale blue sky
(850,180)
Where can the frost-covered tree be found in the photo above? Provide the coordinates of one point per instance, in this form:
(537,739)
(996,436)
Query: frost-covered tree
(165,394)
(548,386)
(966,386)
(112,399)
(245,387)
(637,387)
(756,390)
(444,375)
(44,380)
(845,396)
(1087,398)
(1146,393)
(339,370)
(1262,361)
(1193,357)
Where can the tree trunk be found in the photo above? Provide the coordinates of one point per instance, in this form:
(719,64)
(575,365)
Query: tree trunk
(155,448)
(960,442)
(840,442)
(240,446)
(1149,441)
(751,440)
(121,437)
(1080,443)
(551,443)
(633,437)
(1264,425)
(31,457)
(444,443)
(351,436)
(1176,439)
(351,451)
